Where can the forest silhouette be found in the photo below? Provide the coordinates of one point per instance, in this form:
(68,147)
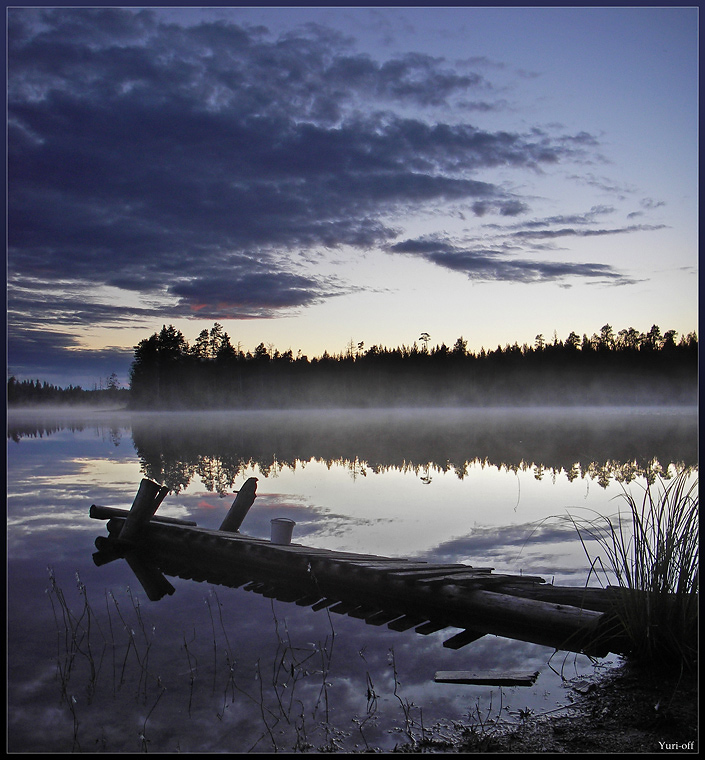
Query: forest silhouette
(624,368)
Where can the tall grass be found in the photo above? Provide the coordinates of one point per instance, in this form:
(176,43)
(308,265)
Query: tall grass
(651,550)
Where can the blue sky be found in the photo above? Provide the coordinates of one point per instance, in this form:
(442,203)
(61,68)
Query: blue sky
(308,177)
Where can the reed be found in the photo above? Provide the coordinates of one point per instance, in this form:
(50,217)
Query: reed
(651,550)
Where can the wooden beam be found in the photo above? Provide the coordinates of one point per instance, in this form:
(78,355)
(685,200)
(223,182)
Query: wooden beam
(156,586)
(143,508)
(431,627)
(463,638)
(105,513)
(243,501)
(487,678)
(406,622)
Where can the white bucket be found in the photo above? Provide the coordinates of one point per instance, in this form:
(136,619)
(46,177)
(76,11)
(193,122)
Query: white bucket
(282,528)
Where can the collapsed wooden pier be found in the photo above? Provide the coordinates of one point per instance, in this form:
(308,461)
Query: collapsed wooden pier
(402,594)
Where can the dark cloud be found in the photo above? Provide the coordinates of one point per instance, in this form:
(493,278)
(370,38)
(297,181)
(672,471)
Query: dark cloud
(574,232)
(249,294)
(587,217)
(210,161)
(485,264)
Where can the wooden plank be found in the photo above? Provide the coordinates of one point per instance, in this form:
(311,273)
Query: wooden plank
(360,613)
(406,622)
(391,565)
(342,608)
(308,600)
(485,579)
(463,638)
(487,678)
(380,618)
(431,627)
(450,570)
(436,572)
(257,586)
(323,604)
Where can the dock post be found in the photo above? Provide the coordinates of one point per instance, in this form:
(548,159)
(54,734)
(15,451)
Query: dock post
(149,496)
(243,501)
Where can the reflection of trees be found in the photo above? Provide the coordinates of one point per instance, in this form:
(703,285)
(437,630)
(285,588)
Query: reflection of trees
(218,449)
(18,430)
(617,447)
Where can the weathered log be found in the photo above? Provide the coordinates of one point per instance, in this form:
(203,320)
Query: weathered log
(156,586)
(143,508)
(241,506)
(105,513)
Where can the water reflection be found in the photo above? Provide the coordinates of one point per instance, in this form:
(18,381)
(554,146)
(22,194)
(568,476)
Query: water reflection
(210,669)
(601,444)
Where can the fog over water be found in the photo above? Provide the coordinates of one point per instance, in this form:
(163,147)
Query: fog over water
(213,668)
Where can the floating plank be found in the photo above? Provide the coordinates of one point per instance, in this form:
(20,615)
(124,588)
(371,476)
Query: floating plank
(488,678)
(463,638)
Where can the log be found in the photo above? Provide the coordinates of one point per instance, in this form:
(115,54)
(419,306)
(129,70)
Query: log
(156,586)
(543,622)
(105,513)
(241,506)
(488,678)
(143,508)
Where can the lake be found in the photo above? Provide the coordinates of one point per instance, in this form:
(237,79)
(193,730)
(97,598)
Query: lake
(93,665)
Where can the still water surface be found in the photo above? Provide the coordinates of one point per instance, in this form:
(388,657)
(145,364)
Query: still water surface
(93,665)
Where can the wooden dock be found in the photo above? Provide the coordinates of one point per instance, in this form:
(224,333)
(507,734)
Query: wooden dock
(401,593)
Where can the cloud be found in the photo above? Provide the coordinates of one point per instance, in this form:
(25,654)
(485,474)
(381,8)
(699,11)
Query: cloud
(494,264)
(249,294)
(141,152)
(200,170)
(55,356)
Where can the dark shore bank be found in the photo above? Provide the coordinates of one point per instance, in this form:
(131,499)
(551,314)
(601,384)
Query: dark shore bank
(628,711)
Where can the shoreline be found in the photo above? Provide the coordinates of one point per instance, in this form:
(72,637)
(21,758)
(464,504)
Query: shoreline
(627,710)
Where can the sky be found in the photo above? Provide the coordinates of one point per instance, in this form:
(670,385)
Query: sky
(312,177)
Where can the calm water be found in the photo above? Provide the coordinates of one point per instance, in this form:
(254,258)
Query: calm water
(93,665)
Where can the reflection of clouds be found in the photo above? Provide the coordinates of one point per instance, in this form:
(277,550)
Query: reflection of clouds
(491,541)
(262,639)
(550,549)
(312,521)
(49,494)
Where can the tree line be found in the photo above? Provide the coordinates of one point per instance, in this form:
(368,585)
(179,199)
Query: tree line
(609,367)
(36,392)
